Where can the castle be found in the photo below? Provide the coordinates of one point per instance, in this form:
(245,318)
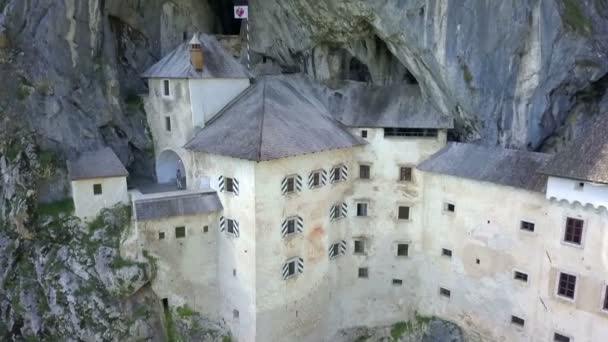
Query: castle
(304,210)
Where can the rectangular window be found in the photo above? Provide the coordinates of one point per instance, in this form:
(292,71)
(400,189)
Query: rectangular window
(205,229)
(316,179)
(449,207)
(231,226)
(364,133)
(229,184)
(235,313)
(445,292)
(334,250)
(180,232)
(560,338)
(291,184)
(361,209)
(364,171)
(338,211)
(566,286)
(605,304)
(517,321)
(403,249)
(97,190)
(574,231)
(527,226)
(167,124)
(291,268)
(446,252)
(404,213)
(363,272)
(291,226)
(397,282)
(405,174)
(161,235)
(520,276)
(166,88)
(410,132)
(360,246)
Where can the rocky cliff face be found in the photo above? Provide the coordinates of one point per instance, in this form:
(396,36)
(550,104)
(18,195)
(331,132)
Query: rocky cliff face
(511,72)
(520,73)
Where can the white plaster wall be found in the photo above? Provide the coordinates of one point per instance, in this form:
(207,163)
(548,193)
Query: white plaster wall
(209,96)
(569,190)
(485,226)
(299,308)
(235,291)
(177,107)
(87,205)
(187,267)
(383,231)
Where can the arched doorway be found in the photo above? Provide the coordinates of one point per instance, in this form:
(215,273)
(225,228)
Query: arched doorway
(167,164)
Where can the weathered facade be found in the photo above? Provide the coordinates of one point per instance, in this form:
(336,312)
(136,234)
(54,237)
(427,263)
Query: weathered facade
(308,210)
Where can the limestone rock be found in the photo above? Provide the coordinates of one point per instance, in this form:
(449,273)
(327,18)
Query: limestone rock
(508,71)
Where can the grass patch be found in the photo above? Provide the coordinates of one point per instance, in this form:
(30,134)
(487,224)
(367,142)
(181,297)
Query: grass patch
(172,335)
(575,18)
(399,329)
(226,339)
(56,208)
(185,311)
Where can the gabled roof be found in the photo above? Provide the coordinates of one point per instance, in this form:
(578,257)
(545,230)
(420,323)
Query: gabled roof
(101,163)
(586,158)
(490,164)
(217,63)
(178,205)
(279,116)
(357,104)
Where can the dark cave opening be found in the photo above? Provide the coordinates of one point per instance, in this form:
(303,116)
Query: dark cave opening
(358,71)
(224,10)
(409,78)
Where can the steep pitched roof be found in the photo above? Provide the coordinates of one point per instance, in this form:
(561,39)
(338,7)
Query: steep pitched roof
(178,205)
(217,62)
(358,104)
(586,158)
(490,164)
(96,164)
(276,117)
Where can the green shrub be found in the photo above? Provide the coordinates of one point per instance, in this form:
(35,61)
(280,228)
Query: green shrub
(54,209)
(574,17)
(399,329)
(185,311)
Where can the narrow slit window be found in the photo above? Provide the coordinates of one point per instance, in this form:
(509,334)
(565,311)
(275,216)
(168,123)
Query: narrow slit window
(446,252)
(166,88)
(449,207)
(517,321)
(397,282)
(527,226)
(445,292)
(520,276)
(167,124)
(605,303)
(557,337)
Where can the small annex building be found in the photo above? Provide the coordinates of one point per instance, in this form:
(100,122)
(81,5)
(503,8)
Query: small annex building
(98,180)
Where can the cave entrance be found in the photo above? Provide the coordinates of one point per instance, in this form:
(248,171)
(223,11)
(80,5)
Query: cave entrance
(224,10)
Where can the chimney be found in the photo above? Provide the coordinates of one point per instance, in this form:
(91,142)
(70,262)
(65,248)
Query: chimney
(196,54)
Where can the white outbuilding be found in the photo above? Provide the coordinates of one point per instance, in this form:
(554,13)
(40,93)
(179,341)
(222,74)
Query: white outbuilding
(99,180)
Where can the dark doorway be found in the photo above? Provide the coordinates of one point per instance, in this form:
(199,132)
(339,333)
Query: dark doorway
(224,10)
(165,304)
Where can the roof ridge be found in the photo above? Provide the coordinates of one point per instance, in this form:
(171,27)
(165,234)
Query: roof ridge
(262,120)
